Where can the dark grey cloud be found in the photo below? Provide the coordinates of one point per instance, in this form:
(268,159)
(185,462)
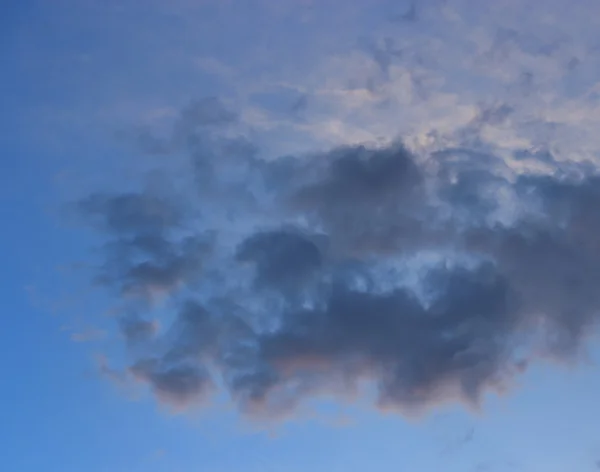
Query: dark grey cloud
(355,266)
(554,260)
(178,370)
(364,198)
(282,258)
(414,355)
(179,386)
(140,265)
(144,253)
(359,176)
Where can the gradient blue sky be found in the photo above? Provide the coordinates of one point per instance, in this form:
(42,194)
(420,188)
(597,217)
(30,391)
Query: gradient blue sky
(84,81)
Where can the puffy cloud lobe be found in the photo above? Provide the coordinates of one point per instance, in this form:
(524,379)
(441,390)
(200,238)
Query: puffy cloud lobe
(553,259)
(369,266)
(144,255)
(282,258)
(359,176)
(414,354)
(367,200)
(178,386)
(178,374)
(141,269)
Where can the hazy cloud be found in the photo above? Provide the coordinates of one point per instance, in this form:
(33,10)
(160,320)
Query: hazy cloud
(135,329)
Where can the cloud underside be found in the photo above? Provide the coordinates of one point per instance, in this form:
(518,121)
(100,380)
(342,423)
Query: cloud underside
(411,279)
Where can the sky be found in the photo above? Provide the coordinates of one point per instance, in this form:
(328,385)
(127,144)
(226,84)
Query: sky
(300,235)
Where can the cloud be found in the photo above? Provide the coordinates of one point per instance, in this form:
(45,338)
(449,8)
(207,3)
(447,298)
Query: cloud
(364,198)
(419,279)
(179,386)
(357,175)
(145,255)
(282,258)
(136,330)
(415,356)
(178,374)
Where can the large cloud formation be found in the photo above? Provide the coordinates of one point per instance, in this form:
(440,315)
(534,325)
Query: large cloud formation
(360,270)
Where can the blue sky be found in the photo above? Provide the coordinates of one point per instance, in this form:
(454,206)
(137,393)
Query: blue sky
(300,235)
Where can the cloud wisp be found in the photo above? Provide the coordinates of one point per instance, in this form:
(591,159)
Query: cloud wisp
(414,278)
